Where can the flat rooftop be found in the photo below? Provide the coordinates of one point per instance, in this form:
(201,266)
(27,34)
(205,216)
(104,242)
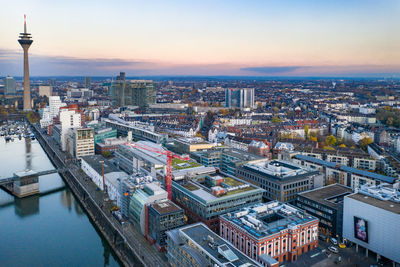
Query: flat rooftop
(95,162)
(165,207)
(330,195)
(383,204)
(279,170)
(217,248)
(202,188)
(265,219)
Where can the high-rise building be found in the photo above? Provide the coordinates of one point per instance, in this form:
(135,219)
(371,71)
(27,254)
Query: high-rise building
(45,90)
(51,111)
(239,98)
(80,142)
(10,87)
(25,40)
(87,82)
(132,92)
(52,82)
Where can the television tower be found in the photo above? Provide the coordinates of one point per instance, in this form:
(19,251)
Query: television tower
(25,40)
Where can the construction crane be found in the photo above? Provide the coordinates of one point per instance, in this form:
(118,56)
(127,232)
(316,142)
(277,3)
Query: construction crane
(170,156)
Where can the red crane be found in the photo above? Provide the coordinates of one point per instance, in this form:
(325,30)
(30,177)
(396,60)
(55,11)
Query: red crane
(170,156)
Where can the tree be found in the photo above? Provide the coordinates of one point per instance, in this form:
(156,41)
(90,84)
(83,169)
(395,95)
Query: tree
(106,154)
(342,145)
(363,143)
(330,140)
(276,120)
(259,105)
(313,138)
(306,130)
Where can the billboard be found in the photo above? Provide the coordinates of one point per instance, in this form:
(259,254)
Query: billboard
(361,229)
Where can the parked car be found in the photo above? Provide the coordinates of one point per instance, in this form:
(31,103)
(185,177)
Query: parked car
(334,241)
(333,249)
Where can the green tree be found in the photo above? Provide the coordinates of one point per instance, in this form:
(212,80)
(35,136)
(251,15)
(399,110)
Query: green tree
(106,154)
(276,120)
(330,140)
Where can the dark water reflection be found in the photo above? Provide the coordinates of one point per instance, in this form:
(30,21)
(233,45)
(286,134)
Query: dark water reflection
(50,229)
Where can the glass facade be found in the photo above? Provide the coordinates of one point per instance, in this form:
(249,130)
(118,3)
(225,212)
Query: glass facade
(135,93)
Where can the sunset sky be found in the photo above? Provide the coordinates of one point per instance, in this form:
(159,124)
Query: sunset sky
(208,37)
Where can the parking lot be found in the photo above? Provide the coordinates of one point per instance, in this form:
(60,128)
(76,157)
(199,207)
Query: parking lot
(323,257)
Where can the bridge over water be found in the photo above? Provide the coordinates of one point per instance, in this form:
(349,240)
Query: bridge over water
(26,183)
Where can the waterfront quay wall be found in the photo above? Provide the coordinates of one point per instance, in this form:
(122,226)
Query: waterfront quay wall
(125,252)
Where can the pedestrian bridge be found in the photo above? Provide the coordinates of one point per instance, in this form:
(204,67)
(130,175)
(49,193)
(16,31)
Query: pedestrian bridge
(29,173)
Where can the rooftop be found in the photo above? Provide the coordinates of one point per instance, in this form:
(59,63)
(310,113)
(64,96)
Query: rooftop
(216,186)
(279,170)
(164,207)
(352,170)
(209,243)
(264,219)
(95,162)
(330,195)
(383,196)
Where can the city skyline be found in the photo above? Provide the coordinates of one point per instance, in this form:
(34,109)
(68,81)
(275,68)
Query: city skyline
(272,38)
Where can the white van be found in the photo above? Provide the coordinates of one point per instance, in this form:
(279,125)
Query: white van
(333,249)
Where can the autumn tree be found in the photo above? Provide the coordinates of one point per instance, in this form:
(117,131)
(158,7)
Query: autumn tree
(306,130)
(331,140)
(363,143)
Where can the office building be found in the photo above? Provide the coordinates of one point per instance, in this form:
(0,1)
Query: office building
(225,159)
(281,180)
(207,196)
(45,90)
(25,40)
(326,203)
(127,187)
(10,87)
(187,145)
(239,98)
(162,217)
(139,131)
(108,144)
(196,245)
(147,194)
(270,232)
(69,118)
(371,219)
(132,159)
(132,92)
(101,131)
(80,142)
(79,95)
(52,111)
(87,82)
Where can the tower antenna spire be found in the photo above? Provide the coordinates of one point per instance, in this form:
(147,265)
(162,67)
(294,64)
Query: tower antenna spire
(24,23)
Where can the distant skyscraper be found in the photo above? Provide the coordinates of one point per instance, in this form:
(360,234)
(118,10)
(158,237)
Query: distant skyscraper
(87,82)
(10,87)
(25,40)
(239,98)
(52,82)
(121,76)
(132,92)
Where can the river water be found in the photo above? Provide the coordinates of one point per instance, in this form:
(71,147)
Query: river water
(50,229)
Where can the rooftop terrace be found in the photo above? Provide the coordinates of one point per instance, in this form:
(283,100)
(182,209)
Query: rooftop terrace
(261,220)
